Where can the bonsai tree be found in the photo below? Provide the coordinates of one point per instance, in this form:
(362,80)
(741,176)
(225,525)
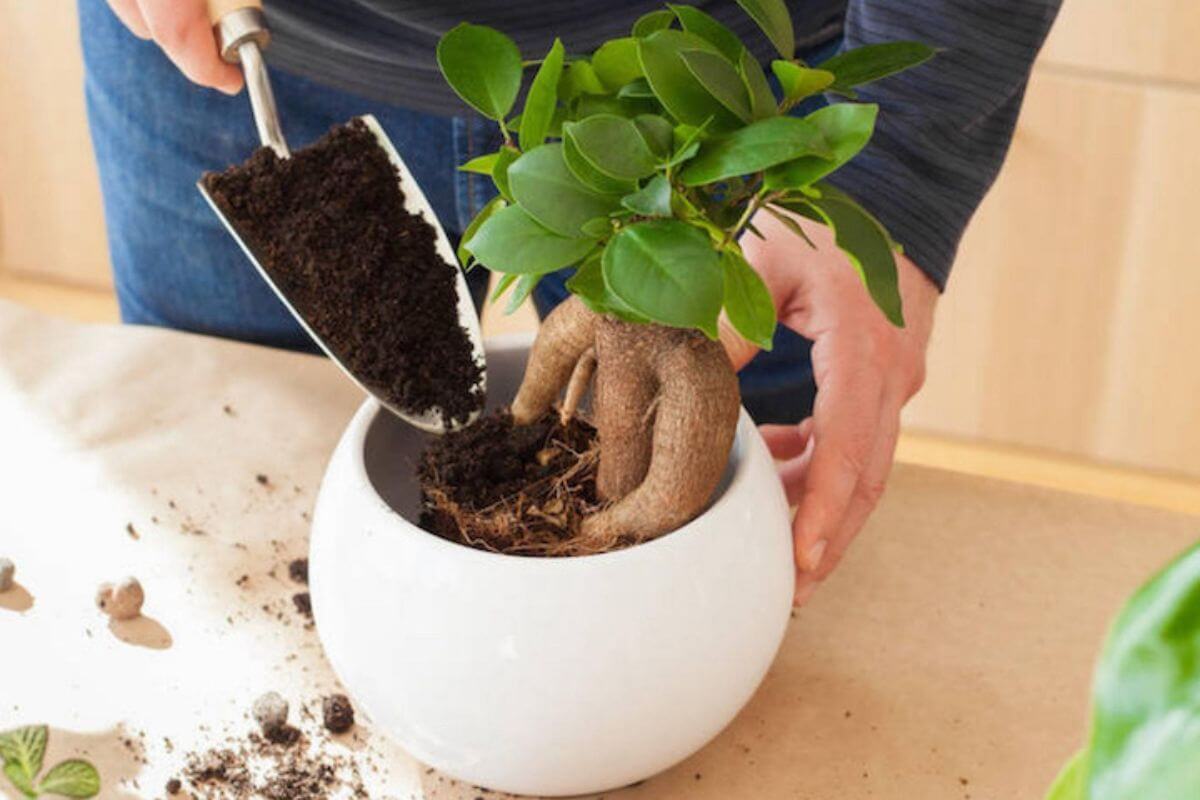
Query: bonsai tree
(641,166)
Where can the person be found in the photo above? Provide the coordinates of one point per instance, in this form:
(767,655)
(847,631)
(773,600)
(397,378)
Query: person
(828,396)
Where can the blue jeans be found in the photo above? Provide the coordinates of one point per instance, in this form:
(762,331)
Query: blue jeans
(174,265)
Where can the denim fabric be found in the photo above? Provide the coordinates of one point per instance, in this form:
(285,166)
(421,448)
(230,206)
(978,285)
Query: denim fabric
(174,265)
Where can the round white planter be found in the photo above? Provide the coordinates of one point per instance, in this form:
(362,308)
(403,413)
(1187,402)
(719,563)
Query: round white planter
(546,676)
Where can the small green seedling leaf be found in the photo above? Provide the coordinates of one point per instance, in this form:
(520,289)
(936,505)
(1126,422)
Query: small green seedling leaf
(613,145)
(874,61)
(845,127)
(482,66)
(698,23)
(651,22)
(773,17)
(667,271)
(73,778)
(481,165)
(543,185)
(748,303)
(800,82)
(512,241)
(652,200)
(17,777)
(542,99)
(25,748)
(616,63)
(494,205)
(720,79)
(755,147)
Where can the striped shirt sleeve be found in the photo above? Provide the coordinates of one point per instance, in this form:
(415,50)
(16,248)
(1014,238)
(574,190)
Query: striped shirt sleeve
(944,127)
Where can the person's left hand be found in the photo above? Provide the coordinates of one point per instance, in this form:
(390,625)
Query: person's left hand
(835,464)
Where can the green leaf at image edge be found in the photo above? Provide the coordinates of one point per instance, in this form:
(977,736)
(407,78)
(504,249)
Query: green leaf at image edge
(482,66)
(773,17)
(1071,783)
(72,778)
(698,23)
(542,99)
(748,302)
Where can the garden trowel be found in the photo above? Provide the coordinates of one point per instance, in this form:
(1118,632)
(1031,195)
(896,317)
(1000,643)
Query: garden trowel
(242,33)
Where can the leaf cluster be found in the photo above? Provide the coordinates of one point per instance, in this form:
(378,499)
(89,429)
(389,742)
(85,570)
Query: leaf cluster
(22,752)
(643,164)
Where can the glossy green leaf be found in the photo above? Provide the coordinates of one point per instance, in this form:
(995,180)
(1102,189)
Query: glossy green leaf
(502,286)
(1071,783)
(773,17)
(25,748)
(512,241)
(543,185)
(504,159)
(799,82)
(791,223)
(588,284)
(667,271)
(698,23)
(520,293)
(494,205)
(637,90)
(762,99)
(866,243)
(652,200)
(542,99)
(874,61)
(613,146)
(579,78)
(846,128)
(587,173)
(755,147)
(616,63)
(599,227)
(651,22)
(748,303)
(482,66)
(589,105)
(720,79)
(679,91)
(72,778)
(481,165)
(657,132)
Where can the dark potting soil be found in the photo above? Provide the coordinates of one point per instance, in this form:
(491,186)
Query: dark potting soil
(509,488)
(330,228)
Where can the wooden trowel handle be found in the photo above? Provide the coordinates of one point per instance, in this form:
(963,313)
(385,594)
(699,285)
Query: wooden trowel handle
(219,8)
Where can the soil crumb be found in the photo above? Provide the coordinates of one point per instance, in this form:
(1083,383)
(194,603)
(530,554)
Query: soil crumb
(520,490)
(298,570)
(330,228)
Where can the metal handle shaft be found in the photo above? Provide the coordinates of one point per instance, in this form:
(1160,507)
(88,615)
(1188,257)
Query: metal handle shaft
(241,35)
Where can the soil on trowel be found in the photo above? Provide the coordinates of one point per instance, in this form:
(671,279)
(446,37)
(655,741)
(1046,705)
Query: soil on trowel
(330,228)
(520,490)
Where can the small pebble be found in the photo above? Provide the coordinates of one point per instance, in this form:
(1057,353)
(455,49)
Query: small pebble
(123,601)
(7,572)
(338,713)
(270,712)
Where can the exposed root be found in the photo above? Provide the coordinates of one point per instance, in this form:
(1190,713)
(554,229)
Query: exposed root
(581,379)
(566,334)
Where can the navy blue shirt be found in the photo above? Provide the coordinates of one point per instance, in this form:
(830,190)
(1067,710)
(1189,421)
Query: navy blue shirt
(943,130)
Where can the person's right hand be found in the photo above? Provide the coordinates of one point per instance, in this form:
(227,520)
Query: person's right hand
(181,28)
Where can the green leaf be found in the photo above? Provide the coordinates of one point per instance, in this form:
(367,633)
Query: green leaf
(588,174)
(652,200)
(545,187)
(651,22)
(773,17)
(482,165)
(542,99)
(1071,783)
(799,82)
(846,128)
(637,90)
(748,304)
(73,778)
(658,133)
(597,228)
(762,99)
(512,241)
(683,96)
(25,747)
(613,146)
(874,61)
(502,286)
(616,63)
(755,147)
(494,205)
(863,239)
(18,778)
(524,287)
(590,105)
(482,66)
(504,159)
(790,223)
(579,78)
(697,22)
(588,284)
(721,80)
(666,270)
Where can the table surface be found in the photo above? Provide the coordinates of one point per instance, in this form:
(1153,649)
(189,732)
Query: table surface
(949,657)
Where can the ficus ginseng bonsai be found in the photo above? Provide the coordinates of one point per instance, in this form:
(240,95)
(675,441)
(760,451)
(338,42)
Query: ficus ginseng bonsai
(642,166)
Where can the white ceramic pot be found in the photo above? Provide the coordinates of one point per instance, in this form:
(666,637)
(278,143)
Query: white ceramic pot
(546,676)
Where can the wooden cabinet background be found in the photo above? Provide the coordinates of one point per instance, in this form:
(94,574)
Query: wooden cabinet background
(1070,323)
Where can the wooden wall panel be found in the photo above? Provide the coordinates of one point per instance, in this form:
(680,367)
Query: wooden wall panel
(51,218)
